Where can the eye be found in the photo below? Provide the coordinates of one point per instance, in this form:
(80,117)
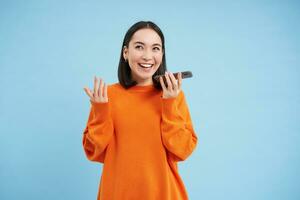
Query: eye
(156,48)
(138,47)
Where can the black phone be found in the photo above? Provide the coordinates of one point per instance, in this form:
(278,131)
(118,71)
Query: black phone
(184,74)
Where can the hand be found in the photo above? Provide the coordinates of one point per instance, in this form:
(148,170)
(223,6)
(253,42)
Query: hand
(174,85)
(99,95)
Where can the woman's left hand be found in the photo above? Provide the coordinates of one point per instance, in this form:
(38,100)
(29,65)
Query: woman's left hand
(174,86)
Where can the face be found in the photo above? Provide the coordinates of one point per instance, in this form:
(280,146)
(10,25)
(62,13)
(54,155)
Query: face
(144,55)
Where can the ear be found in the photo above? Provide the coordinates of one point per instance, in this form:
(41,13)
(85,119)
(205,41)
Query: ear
(125,53)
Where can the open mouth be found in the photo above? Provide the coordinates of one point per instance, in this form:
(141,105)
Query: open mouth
(145,65)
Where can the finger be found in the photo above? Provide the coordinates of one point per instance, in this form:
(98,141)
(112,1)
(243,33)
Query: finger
(105,91)
(173,80)
(88,92)
(162,83)
(100,91)
(96,87)
(179,80)
(168,81)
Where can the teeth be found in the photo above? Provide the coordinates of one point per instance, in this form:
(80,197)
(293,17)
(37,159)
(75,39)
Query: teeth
(146,65)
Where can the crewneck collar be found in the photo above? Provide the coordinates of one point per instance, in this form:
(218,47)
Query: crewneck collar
(140,88)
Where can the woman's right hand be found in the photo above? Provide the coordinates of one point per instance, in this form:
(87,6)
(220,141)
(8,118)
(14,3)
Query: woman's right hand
(99,94)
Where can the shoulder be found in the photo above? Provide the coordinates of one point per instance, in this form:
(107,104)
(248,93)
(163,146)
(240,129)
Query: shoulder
(114,89)
(114,86)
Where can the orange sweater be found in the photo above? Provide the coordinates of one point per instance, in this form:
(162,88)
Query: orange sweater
(139,137)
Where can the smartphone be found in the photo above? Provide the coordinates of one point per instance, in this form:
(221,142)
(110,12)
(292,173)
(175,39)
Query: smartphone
(184,74)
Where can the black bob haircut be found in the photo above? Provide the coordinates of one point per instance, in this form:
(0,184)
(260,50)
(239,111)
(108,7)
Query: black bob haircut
(124,71)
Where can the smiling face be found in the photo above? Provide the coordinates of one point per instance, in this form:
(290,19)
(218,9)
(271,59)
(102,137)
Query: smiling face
(144,54)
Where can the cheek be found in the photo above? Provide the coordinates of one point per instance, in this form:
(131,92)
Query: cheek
(135,55)
(158,58)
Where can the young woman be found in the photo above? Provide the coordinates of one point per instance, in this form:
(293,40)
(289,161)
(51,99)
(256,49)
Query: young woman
(140,128)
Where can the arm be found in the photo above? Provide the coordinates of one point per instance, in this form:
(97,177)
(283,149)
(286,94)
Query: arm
(178,135)
(98,132)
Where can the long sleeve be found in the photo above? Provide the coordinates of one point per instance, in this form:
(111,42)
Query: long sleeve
(98,132)
(178,135)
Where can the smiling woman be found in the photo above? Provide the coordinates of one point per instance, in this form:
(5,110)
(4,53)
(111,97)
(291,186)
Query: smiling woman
(143,45)
(144,55)
(140,128)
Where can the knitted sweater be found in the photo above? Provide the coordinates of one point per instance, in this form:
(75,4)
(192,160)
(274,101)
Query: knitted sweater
(139,137)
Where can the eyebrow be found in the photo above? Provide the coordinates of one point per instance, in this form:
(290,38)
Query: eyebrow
(156,44)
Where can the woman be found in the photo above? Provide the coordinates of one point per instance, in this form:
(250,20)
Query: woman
(140,128)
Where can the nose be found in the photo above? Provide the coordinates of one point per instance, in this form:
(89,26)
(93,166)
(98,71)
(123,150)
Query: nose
(147,55)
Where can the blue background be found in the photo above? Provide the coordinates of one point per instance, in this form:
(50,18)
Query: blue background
(244,97)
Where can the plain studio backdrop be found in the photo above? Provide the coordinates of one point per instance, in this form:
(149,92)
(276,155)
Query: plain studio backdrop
(244,98)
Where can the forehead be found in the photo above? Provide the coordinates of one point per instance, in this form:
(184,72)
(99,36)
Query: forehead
(146,36)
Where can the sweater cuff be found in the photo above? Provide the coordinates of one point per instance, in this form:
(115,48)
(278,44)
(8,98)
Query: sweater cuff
(101,111)
(169,107)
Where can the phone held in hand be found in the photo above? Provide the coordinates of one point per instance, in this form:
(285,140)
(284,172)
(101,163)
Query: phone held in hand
(184,74)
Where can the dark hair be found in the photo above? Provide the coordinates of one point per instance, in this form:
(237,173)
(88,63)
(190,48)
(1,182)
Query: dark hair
(124,71)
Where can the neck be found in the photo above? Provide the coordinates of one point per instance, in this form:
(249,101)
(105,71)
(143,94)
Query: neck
(144,82)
